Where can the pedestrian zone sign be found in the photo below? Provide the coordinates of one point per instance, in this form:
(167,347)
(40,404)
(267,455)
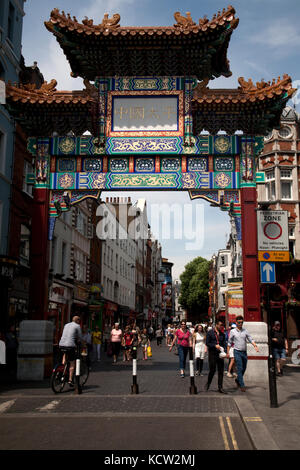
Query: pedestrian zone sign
(267,273)
(272,235)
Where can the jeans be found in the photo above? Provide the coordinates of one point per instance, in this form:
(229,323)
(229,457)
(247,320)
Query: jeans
(241,360)
(182,352)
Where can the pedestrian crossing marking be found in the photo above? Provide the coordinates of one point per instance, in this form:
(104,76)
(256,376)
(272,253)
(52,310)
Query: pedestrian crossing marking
(255,418)
(6,405)
(50,406)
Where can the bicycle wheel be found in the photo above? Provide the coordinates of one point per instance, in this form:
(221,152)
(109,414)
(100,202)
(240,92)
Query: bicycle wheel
(58,378)
(84,372)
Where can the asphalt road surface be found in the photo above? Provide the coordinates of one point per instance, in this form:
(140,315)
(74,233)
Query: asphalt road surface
(106,416)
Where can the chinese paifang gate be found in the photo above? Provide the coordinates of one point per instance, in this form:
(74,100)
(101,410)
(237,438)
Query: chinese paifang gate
(146,103)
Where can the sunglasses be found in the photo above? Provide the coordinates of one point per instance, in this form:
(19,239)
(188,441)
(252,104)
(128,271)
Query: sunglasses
(240,321)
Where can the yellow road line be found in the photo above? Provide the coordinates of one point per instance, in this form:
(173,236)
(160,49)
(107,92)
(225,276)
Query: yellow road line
(235,446)
(225,440)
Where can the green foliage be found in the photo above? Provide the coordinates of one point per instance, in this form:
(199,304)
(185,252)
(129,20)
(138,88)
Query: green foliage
(194,287)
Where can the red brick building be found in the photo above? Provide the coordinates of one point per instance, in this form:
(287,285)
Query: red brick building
(280,161)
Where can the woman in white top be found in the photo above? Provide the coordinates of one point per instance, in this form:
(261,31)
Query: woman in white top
(199,348)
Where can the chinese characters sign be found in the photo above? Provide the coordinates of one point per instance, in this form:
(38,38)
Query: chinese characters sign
(146,115)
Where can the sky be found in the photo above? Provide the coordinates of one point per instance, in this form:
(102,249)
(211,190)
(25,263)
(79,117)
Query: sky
(265,45)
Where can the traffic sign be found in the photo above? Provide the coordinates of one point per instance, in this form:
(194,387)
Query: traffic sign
(277,256)
(272,231)
(267,273)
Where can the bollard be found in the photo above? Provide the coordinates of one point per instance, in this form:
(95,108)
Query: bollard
(78,389)
(193,389)
(134,386)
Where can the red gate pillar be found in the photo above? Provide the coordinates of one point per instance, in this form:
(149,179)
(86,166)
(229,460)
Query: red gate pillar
(251,281)
(39,235)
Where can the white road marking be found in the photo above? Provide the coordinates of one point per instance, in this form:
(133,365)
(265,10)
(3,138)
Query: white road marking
(50,406)
(6,405)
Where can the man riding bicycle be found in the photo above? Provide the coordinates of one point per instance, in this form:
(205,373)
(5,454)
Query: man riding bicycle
(71,336)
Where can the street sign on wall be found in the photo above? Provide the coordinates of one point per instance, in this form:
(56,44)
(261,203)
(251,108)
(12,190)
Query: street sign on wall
(272,235)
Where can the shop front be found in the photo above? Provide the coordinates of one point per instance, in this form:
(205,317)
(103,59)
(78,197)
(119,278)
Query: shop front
(80,304)
(60,297)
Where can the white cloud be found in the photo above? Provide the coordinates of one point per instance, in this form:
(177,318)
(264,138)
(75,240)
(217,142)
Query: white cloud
(97,8)
(281,33)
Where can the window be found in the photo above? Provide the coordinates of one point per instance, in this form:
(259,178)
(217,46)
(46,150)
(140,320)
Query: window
(224,299)
(63,257)
(80,266)
(53,253)
(24,245)
(28,169)
(286,183)
(285,132)
(223,260)
(81,224)
(223,279)
(2,151)
(270,185)
(10,22)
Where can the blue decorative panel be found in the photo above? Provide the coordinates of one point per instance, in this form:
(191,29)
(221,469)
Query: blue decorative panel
(170,164)
(224,164)
(145,165)
(66,164)
(197,164)
(118,165)
(92,164)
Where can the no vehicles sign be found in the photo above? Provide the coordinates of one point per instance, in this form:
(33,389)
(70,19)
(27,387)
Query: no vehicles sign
(272,231)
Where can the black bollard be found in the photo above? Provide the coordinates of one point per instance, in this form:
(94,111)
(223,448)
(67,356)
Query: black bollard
(193,389)
(134,386)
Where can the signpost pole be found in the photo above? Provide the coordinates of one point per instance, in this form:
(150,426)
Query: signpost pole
(271,361)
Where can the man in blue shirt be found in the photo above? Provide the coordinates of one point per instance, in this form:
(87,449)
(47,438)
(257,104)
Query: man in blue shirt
(239,337)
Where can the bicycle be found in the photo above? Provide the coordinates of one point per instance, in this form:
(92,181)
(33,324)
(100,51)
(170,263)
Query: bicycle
(60,373)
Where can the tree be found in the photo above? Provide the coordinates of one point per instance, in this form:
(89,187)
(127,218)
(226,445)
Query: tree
(194,288)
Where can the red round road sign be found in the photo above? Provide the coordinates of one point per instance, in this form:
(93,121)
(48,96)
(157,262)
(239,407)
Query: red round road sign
(273,230)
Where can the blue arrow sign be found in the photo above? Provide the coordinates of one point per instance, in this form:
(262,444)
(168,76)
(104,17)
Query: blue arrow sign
(267,272)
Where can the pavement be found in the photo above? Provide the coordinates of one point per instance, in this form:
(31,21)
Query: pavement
(114,418)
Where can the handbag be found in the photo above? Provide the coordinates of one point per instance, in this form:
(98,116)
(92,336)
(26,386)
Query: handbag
(222,353)
(149,351)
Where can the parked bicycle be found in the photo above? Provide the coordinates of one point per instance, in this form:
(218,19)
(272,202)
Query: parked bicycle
(60,373)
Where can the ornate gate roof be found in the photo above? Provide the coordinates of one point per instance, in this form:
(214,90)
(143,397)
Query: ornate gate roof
(108,49)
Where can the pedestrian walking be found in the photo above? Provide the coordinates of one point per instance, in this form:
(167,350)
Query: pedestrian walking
(199,348)
(169,335)
(159,335)
(127,342)
(216,345)
(116,339)
(145,342)
(87,343)
(11,343)
(184,342)
(97,341)
(279,347)
(231,365)
(238,338)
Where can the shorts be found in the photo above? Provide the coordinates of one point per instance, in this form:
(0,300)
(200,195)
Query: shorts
(279,353)
(70,353)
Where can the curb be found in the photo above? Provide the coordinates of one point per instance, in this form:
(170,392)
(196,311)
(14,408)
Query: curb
(257,431)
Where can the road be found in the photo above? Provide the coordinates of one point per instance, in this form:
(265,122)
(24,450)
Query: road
(106,416)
